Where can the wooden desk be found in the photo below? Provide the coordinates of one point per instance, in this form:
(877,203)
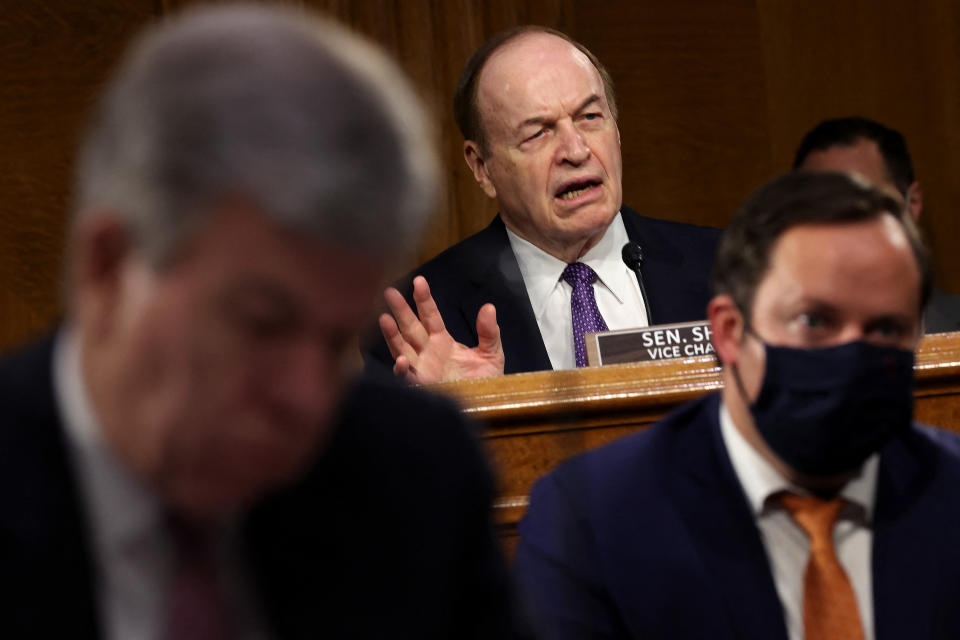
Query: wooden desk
(536,420)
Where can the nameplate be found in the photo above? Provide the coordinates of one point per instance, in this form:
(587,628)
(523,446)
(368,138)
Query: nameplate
(661,342)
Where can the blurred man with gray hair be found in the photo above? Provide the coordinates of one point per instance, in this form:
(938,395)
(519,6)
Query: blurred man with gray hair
(187,456)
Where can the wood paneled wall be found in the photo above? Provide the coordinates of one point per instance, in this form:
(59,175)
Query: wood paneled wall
(713,96)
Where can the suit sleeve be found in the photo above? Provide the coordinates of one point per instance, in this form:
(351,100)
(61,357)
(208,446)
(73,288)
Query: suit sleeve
(558,570)
(487,607)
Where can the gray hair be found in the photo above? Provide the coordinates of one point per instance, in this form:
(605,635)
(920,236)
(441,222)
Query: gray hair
(315,127)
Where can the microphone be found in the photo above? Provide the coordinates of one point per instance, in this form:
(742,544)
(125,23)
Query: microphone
(632,256)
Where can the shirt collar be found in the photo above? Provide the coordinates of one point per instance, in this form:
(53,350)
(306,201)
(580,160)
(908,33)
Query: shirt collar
(122,510)
(541,271)
(760,479)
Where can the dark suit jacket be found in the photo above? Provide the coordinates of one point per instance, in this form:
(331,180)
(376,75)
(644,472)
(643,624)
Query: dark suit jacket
(388,536)
(652,537)
(481,269)
(942,313)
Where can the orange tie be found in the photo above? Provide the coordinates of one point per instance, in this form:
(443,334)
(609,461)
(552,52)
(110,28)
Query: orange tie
(829,603)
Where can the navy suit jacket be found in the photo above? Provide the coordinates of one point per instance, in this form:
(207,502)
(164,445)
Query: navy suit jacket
(388,536)
(652,537)
(481,269)
(942,313)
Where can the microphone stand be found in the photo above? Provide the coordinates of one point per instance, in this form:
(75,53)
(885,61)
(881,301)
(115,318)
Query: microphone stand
(632,256)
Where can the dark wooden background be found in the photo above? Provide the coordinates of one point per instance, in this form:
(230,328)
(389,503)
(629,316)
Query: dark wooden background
(714,96)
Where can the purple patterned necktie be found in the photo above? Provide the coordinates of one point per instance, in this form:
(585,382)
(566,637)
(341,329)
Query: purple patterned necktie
(196,604)
(583,307)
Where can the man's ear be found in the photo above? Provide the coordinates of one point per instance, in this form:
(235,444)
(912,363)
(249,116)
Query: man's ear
(100,246)
(915,200)
(477,164)
(726,324)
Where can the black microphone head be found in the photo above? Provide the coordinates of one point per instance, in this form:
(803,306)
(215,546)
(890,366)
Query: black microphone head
(632,255)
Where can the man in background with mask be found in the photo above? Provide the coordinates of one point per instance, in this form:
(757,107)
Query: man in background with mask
(799,502)
(189,456)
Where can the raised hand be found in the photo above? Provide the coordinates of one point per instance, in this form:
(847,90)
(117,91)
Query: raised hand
(423,349)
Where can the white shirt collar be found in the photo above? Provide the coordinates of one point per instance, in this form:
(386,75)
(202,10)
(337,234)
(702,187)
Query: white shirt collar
(760,479)
(541,271)
(122,510)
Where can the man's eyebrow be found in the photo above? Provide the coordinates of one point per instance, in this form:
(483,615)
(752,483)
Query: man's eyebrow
(534,120)
(808,305)
(542,119)
(823,306)
(902,318)
(586,103)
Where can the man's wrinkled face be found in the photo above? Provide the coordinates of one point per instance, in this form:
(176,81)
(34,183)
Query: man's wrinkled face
(554,148)
(829,284)
(216,378)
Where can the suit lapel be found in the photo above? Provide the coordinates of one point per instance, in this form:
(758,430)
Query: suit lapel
(661,266)
(912,576)
(906,552)
(722,528)
(41,522)
(676,268)
(496,278)
(942,312)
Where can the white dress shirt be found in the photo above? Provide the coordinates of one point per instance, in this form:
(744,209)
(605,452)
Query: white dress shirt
(786,543)
(133,554)
(616,290)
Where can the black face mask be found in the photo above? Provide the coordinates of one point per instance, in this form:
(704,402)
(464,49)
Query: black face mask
(824,411)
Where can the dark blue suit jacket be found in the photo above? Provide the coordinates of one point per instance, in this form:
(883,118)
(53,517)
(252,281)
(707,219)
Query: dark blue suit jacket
(942,313)
(389,535)
(481,269)
(652,537)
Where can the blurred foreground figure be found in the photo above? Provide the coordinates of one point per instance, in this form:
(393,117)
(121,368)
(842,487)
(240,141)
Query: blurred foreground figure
(187,456)
(798,503)
(879,154)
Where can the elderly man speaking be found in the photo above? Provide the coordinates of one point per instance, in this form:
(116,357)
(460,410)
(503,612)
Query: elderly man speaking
(539,119)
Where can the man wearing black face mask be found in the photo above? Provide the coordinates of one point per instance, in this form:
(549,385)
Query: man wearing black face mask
(798,503)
